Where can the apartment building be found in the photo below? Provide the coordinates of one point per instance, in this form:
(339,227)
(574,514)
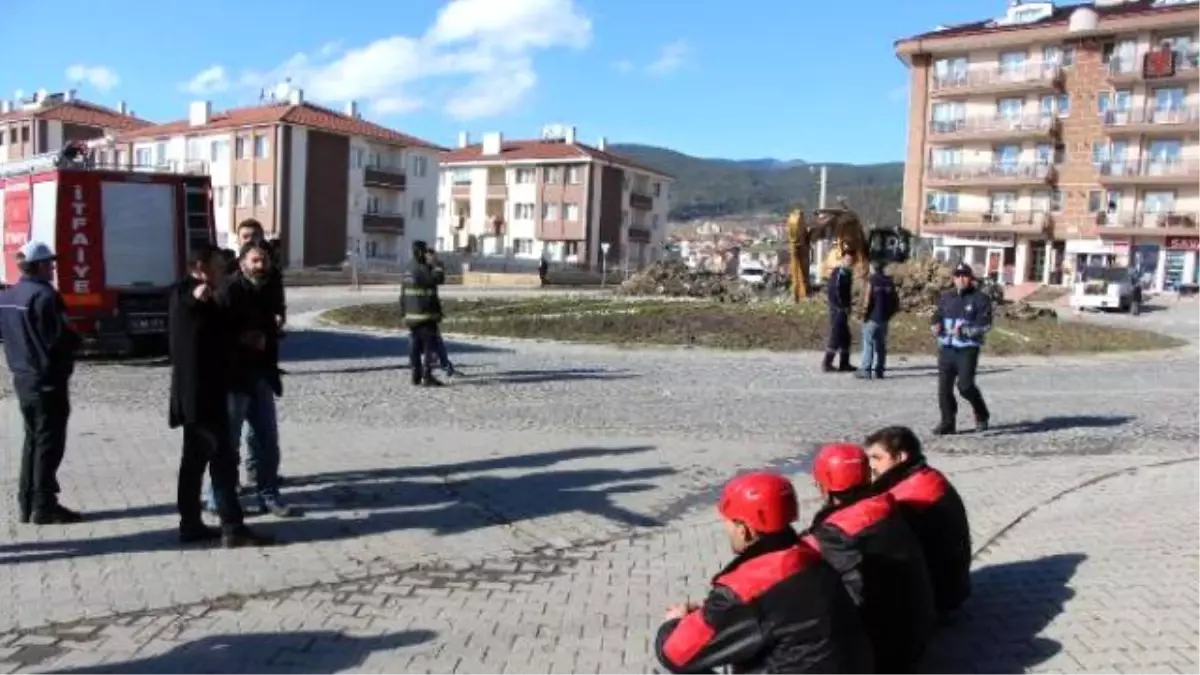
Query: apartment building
(45,122)
(327,183)
(552,197)
(1056,137)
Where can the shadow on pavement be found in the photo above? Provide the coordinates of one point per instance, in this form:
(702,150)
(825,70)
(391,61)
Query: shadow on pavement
(296,652)
(997,631)
(543,376)
(438,499)
(323,345)
(901,372)
(1062,423)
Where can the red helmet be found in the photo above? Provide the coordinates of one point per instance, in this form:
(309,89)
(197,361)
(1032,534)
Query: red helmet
(762,500)
(841,466)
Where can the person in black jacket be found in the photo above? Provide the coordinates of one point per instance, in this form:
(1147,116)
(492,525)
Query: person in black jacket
(960,323)
(932,507)
(200,343)
(250,231)
(39,348)
(881,305)
(839,293)
(422,310)
(864,536)
(777,608)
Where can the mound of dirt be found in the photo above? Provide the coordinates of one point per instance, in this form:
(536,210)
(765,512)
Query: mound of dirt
(674,279)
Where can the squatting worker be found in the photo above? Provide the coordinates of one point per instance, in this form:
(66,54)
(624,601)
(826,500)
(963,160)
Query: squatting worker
(961,321)
(422,310)
(39,347)
(201,340)
(839,292)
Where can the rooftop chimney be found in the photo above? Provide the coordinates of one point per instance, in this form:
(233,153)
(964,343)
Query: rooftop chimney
(492,143)
(70,95)
(464,139)
(296,96)
(569,135)
(123,108)
(351,109)
(602,144)
(200,113)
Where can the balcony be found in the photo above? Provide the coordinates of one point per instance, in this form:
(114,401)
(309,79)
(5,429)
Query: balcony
(995,128)
(993,79)
(392,179)
(640,201)
(988,222)
(1150,172)
(1155,66)
(383,223)
(1017,174)
(497,190)
(1152,121)
(461,188)
(1142,224)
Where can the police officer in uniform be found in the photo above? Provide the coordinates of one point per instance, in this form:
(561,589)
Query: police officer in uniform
(841,283)
(961,321)
(422,311)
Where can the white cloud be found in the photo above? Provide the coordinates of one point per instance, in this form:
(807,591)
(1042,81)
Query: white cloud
(211,80)
(671,58)
(478,55)
(100,78)
(624,66)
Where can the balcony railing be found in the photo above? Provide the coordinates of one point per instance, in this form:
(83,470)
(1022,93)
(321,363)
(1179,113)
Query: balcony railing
(996,126)
(1150,170)
(993,172)
(641,201)
(1182,223)
(1029,222)
(1148,119)
(383,222)
(996,78)
(375,176)
(1160,65)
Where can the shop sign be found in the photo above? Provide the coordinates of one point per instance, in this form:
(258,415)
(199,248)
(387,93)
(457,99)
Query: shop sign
(1183,243)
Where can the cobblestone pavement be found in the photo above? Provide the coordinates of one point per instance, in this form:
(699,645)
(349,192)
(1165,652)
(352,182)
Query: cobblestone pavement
(540,513)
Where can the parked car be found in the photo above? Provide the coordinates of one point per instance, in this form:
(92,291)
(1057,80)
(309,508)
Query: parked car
(1104,288)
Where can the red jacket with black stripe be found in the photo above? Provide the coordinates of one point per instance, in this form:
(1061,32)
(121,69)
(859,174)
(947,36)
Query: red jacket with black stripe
(937,515)
(777,608)
(879,557)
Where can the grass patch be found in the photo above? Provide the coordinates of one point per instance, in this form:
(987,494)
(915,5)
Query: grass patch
(770,326)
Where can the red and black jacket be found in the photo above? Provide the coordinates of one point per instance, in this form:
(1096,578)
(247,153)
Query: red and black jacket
(936,514)
(777,608)
(869,542)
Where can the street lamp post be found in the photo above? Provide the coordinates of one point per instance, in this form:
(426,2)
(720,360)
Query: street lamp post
(822,193)
(604,263)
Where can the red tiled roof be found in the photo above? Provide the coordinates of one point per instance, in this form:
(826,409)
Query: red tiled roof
(1060,15)
(79,112)
(539,150)
(303,114)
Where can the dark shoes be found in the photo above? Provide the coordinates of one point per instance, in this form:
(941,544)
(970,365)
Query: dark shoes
(868,375)
(55,515)
(943,430)
(275,507)
(981,423)
(244,537)
(198,534)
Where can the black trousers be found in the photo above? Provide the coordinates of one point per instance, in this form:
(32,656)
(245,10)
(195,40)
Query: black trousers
(839,333)
(959,365)
(422,348)
(45,412)
(207,446)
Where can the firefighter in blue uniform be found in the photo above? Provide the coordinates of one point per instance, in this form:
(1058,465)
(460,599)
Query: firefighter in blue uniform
(839,290)
(961,321)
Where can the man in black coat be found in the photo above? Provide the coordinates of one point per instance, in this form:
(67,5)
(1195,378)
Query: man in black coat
(841,284)
(422,309)
(200,343)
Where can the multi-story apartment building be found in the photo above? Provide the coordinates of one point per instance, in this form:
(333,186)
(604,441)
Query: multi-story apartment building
(553,197)
(45,122)
(327,183)
(1056,137)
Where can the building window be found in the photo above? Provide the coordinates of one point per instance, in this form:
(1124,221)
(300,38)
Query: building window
(1058,55)
(25,133)
(657,189)
(525,176)
(1055,104)
(241,195)
(1012,63)
(221,196)
(941,202)
(1002,202)
(1169,98)
(218,151)
(262,193)
(550,211)
(1100,201)
(122,159)
(551,174)
(654,222)
(1159,201)
(574,175)
(418,208)
(950,69)
(571,212)
(360,157)
(461,177)
(420,165)
(523,212)
(239,148)
(523,246)
(1047,201)
(1009,108)
(160,153)
(942,157)
(141,157)
(261,145)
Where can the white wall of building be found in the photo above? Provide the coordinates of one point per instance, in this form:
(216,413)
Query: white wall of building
(54,135)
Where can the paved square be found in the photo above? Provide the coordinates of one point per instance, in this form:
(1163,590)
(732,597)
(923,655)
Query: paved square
(538,515)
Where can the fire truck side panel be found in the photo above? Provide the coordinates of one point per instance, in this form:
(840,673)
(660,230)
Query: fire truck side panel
(140,234)
(17,221)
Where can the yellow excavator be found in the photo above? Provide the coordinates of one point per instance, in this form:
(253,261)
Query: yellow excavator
(841,227)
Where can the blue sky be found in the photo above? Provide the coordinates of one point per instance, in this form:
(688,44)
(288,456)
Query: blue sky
(795,79)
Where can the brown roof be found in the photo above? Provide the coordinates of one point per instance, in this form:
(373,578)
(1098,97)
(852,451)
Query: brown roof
(1060,15)
(539,150)
(304,114)
(79,112)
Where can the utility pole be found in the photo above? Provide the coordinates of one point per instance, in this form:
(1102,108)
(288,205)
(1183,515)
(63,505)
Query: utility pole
(822,193)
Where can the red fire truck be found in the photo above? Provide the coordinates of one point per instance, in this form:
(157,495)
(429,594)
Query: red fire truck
(122,237)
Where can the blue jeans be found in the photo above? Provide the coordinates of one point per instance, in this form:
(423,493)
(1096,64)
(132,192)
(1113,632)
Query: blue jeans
(256,409)
(874,347)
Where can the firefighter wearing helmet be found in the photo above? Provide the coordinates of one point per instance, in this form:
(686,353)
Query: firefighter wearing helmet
(777,608)
(863,535)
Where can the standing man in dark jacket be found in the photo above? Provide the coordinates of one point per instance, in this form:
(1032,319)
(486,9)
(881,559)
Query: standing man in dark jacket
(250,231)
(776,608)
(932,507)
(960,323)
(39,347)
(839,293)
(251,305)
(200,344)
(864,536)
(422,310)
(882,303)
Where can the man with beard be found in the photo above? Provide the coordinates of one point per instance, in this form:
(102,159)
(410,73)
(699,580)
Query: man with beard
(250,231)
(200,343)
(251,305)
